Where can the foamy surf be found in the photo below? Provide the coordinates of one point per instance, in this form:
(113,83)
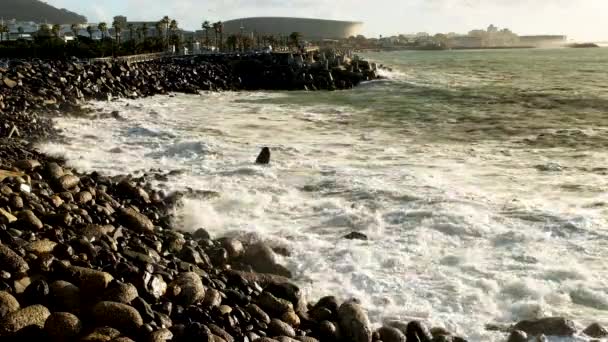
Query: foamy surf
(460,234)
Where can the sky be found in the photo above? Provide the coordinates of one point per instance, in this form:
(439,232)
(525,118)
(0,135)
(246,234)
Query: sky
(579,19)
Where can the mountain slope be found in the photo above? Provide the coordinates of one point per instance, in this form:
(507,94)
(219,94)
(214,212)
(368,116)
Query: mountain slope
(38,11)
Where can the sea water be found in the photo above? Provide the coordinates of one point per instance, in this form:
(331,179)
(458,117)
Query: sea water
(480,178)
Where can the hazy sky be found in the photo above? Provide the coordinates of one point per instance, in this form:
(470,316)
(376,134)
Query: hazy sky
(580,19)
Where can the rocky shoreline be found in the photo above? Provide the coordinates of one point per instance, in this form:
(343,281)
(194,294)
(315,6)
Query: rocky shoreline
(86,257)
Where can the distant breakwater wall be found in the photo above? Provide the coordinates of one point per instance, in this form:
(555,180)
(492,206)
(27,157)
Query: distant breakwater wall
(28,88)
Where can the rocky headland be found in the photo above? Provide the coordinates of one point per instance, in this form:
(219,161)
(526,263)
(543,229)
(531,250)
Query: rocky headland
(87,257)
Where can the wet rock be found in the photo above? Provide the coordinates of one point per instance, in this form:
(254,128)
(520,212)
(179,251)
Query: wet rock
(263,260)
(16,202)
(329,331)
(135,221)
(517,336)
(35,315)
(280,328)
(121,292)
(117,315)
(11,261)
(417,330)
(62,326)
(91,281)
(84,197)
(30,220)
(217,331)
(291,318)
(53,170)
(552,326)
(390,334)
(273,305)
(27,164)
(64,296)
(264,156)
(234,247)
(156,286)
(187,288)
(356,236)
(68,182)
(8,304)
(144,309)
(259,314)
(213,298)
(595,330)
(354,323)
(97,231)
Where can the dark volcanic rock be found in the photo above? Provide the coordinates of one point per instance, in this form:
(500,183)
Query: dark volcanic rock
(354,323)
(552,326)
(11,261)
(135,221)
(62,326)
(117,315)
(187,288)
(35,315)
(264,156)
(517,336)
(595,330)
(389,334)
(356,236)
(280,328)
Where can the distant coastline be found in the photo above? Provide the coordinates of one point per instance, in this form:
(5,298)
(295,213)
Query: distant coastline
(436,48)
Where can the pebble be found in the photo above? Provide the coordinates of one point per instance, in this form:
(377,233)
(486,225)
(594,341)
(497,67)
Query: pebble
(8,304)
(29,220)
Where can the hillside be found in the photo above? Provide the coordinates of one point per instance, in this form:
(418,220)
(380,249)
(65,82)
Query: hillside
(38,11)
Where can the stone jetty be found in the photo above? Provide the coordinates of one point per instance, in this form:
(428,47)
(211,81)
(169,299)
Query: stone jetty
(87,257)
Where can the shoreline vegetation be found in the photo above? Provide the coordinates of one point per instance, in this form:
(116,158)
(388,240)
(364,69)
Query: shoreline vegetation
(87,257)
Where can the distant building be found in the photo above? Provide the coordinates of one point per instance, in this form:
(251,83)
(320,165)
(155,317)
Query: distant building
(543,40)
(466,42)
(311,29)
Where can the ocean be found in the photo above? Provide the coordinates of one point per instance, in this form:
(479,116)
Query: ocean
(479,177)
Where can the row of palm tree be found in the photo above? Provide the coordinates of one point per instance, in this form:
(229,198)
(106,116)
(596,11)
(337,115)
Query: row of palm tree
(218,30)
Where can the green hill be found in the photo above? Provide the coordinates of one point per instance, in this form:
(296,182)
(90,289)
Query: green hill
(38,11)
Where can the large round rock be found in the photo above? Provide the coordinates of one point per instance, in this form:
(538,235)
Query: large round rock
(187,288)
(62,326)
(11,261)
(35,315)
(135,221)
(123,317)
(354,323)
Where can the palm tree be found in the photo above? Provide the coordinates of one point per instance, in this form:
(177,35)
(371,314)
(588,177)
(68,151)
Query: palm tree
(103,27)
(131,29)
(206,26)
(216,32)
(219,29)
(232,41)
(117,30)
(294,38)
(56,29)
(166,21)
(75,29)
(20,30)
(90,31)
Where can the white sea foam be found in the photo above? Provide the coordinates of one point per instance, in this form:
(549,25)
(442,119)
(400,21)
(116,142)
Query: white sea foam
(458,237)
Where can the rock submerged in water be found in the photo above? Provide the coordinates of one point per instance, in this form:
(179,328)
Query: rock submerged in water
(264,156)
(551,326)
(356,236)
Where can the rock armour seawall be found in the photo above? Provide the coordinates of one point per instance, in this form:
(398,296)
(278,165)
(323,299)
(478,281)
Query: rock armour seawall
(28,88)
